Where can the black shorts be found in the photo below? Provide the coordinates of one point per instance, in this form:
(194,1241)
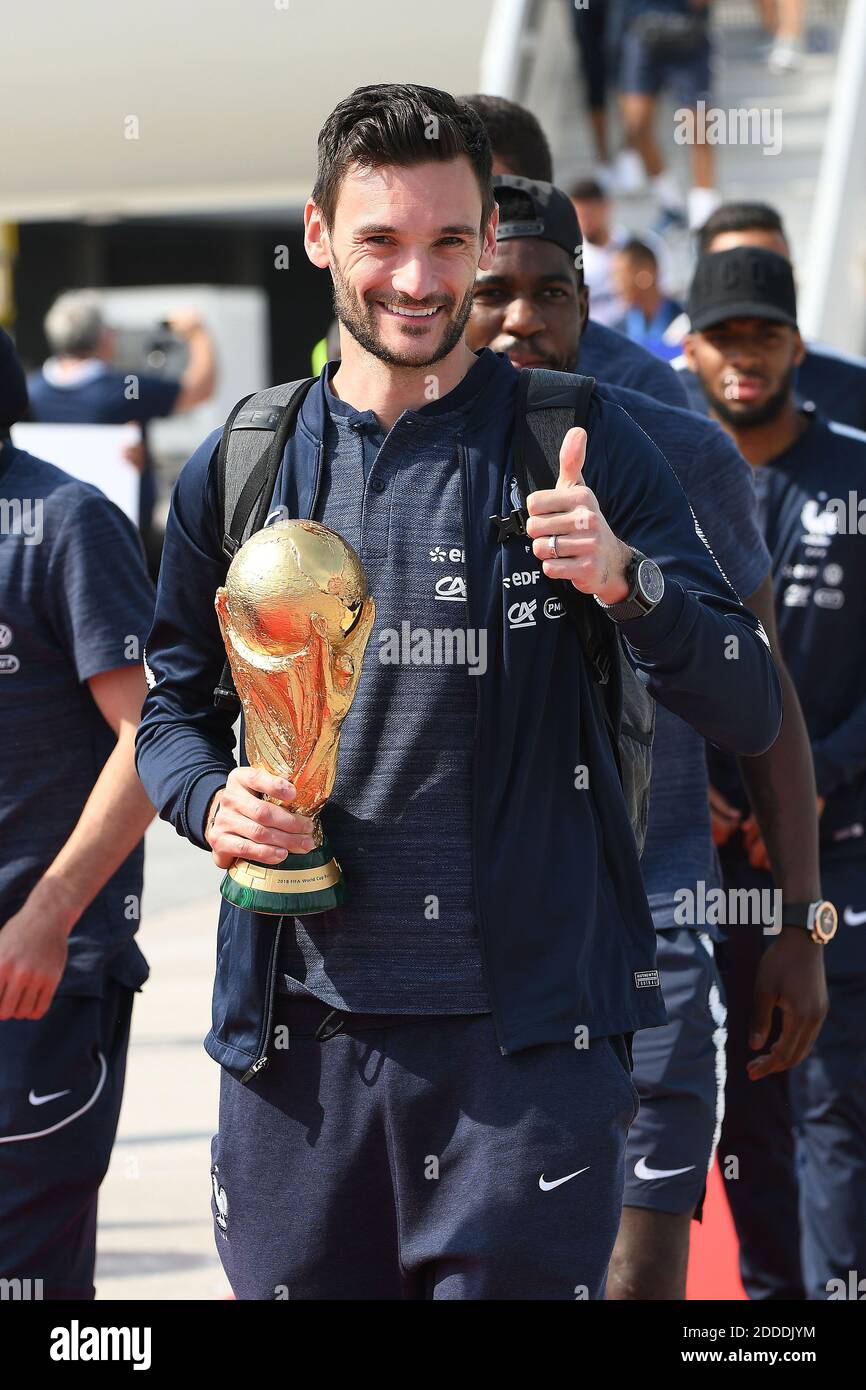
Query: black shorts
(61,1084)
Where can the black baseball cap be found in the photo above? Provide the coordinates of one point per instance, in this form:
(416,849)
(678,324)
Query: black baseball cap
(13,387)
(747,282)
(553,215)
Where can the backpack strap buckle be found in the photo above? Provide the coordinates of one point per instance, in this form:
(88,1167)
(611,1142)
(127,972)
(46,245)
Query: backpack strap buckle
(514,524)
(226,698)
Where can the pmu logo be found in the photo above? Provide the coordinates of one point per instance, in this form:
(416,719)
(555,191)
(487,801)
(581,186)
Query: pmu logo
(522,614)
(451,588)
(554,608)
(829,598)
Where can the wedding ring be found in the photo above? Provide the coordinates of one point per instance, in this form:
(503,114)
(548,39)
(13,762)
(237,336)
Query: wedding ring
(553,551)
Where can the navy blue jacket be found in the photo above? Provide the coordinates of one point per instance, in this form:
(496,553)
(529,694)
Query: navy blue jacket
(566,934)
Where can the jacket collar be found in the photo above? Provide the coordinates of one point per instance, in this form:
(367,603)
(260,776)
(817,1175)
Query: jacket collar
(473,400)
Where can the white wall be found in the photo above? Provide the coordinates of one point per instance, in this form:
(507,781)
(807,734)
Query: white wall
(229,94)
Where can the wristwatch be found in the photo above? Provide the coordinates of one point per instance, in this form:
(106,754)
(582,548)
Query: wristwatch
(646,585)
(819,918)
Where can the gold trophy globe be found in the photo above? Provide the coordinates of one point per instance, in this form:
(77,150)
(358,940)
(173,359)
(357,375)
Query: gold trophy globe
(295,616)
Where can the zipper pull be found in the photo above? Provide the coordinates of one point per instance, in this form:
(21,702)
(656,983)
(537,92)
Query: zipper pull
(254,1070)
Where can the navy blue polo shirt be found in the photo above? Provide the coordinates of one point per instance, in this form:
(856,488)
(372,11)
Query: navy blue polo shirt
(835,382)
(75,601)
(406,939)
(809,503)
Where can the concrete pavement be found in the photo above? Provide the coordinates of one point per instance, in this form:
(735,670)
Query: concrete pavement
(155,1238)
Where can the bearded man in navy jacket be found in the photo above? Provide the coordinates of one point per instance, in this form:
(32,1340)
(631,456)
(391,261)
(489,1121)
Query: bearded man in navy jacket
(449,1118)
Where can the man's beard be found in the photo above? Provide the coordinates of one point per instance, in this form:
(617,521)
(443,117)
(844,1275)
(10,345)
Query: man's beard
(360,320)
(751,416)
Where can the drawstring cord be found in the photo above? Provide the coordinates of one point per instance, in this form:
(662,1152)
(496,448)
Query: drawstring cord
(322,1033)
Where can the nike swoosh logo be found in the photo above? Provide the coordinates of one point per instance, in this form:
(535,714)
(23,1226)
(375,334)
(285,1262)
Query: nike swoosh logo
(43,1100)
(647,1174)
(854,919)
(547,1186)
(67,1119)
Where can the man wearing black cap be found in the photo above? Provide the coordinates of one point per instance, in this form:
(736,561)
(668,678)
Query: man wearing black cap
(75,604)
(810,475)
(529,305)
(835,381)
(520,147)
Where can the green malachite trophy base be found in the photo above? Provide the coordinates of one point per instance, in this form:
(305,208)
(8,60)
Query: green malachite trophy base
(302,884)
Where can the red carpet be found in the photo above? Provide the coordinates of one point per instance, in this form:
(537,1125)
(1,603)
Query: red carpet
(713,1272)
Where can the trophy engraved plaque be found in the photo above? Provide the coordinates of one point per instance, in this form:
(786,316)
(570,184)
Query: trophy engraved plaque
(295,616)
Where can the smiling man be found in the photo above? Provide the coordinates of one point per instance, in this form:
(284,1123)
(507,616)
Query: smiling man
(801,1222)
(448,1119)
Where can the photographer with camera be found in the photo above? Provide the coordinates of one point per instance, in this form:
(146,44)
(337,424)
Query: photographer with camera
(77,385)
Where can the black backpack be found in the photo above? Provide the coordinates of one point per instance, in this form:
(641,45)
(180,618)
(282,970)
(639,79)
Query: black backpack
(548,404)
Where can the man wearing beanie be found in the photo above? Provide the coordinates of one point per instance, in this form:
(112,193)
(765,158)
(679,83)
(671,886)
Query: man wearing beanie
(834,380)
(75,604)
(810,476)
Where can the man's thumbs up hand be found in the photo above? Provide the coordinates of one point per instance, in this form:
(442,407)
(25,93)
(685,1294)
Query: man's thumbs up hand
(568,517)
(571,458)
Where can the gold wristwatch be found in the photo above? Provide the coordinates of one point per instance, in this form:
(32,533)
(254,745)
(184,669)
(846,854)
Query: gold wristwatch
(819,918)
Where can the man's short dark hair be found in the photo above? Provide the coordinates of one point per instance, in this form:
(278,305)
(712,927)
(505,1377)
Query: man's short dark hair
(403,124)
(515,136)
(587,191)
(638,250)
(739,217)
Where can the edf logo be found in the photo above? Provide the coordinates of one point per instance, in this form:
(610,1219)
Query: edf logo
(520,578)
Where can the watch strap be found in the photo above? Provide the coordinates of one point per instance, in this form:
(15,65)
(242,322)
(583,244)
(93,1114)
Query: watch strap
(633,605)
(799,914)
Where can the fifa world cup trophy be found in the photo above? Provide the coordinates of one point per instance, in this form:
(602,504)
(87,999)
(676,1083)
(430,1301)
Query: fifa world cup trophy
(295,616)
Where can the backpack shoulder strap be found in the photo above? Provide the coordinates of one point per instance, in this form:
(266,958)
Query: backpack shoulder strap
(548,405)
(250,453)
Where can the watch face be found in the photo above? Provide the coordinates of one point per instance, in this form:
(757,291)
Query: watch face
(826,921)
(650,581)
